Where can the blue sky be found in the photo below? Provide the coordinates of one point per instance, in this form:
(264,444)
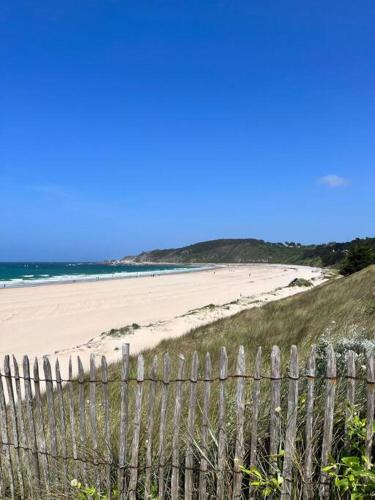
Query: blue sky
(127,126)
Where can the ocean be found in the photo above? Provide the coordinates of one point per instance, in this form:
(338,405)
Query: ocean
(34,273)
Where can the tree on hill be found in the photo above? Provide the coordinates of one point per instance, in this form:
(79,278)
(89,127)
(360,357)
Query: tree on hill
(358,257)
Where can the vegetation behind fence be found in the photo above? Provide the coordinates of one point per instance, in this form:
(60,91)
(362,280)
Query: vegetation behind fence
(169,430)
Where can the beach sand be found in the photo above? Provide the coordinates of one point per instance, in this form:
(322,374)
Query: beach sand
(69,319)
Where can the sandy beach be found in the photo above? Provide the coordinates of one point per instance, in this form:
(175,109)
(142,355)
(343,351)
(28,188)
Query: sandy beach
(70,319)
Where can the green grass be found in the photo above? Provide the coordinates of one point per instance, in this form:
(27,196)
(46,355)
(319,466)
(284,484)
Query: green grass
(343,307)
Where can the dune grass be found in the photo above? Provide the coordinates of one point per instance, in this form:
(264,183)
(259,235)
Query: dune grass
(343,307)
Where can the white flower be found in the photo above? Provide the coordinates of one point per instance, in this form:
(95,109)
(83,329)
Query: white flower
(278,409)
(74,483)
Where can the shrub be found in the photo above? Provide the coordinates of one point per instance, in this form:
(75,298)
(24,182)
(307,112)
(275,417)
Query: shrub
(353,474)
(359,257)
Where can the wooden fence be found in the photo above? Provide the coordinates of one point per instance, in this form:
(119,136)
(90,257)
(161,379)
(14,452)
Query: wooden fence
(133,433)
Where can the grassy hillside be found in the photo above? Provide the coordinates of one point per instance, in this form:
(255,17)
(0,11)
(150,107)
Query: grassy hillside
(252,250)
(342,308)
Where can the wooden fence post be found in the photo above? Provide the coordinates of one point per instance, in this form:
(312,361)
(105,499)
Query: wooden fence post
(370,405)
(275,420)
(82,419)
(13,416)
(51,416)
(222,438)
(328,419)
(150,426)
(350,391)
(6,439)
(124,417)
(23,435)
(189,460)
(72,418)
(60,398)
(136,429)
(255,407)
(40,427)
(107,430)
(308,490)
(176,430)
(31,428)
(240,407)
(163,423)
(291,425)
(205,429)
(93,421)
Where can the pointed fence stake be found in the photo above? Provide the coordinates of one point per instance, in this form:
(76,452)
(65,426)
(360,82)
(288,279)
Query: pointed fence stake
(150,426)
(328,420)
(205,429)
(124,417)
(176,430)
(308,490)
(221,493)
(136,429)
(370,406)
(240,407)
(291,425)
(163,423)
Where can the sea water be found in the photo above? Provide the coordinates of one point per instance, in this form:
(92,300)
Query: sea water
(34,273)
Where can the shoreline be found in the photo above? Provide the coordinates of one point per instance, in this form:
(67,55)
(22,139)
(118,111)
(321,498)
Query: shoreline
(6,285)
(97,317)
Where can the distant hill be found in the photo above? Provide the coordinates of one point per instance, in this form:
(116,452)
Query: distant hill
(253,250)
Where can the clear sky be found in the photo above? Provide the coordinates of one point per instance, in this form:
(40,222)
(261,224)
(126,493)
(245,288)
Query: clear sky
(130,125)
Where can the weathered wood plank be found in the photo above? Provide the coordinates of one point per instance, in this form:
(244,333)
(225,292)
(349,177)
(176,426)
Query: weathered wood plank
(328,419)
(150,427)
(176,430)
(189,458)
(308,490)
(370,406)
(351,373)
(107,430)
(221,490)
(15,426)
(124,417)
(82,420)
(240,410)
(23,435)
(72,419)
(54,469)
(5,440)
(205,429)
(30,429)
(163,423)
(275,417)
(291,425)
(62,422)
(40,428)
(93,421)
(255,407)
(136,429)
(350,391)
